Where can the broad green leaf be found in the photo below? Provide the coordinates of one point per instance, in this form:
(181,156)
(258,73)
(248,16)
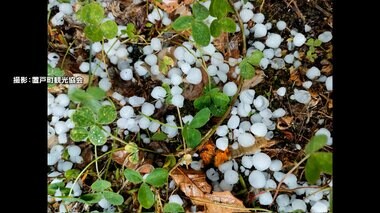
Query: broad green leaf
(91,13)
(312,171)
(227,24)
(157,177)
(93,104)
(255,58)
(113,198)
(173,208)
(54,186)
(220,8)
(97,136)
(202,102)
(71,174)
(182,23)
(192,136)
(218,111)
(145,196)
(215,28)
(247,71)
(91,198)
(78,134)
(317,43)
(94,33)
(109,29)
(325,161)
(131,30)
(133,176)
(96,93)
(83,117)
(200,12)
(310,42)
(200,33)
(78,95)
(220,99)
(100,185)
(316,143)
(317,163)
(131,147)
(201,118)
(170,161)
(55,71)
(159,136)
(107,114)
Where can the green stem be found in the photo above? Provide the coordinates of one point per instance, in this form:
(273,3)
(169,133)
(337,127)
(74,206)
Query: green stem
(96,162)
(163,124)
(67,52)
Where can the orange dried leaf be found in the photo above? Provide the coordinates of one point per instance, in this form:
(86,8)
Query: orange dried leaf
(221,157)
(207,152)
(192,183)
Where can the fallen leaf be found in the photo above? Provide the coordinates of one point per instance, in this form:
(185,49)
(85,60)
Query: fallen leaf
(260,143)
(295,76)
(52,140)
(167,5)
(258,78)
(121,157)
(207,152)
(221,202)
(285,122)
(145,169)
(183,10)
(220,42)
(221,157)
(192,183)
(191,91)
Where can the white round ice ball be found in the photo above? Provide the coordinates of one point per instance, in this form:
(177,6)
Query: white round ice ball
(273,40)
(329,83)
(299,39)
(275,165)
(265,198)
(231,177)
(281,25)
(259,129)
(261,161)
(230,89)
(194,76)
(158,92)
(246,139)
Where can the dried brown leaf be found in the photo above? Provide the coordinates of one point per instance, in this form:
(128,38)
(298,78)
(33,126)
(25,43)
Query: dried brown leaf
(220,42)
(285,122)
(191,91)
(260,143)
(167,5)
(295,76)
(145,169)
(258,78)
(221,202)
(192,183)
(183,10)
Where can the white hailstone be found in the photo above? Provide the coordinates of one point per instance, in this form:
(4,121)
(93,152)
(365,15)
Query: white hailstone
(126,74)
(283,200)
(84,67)
(117,96)
(54,174)
(65,8)
(57,19)
(225,186)
(268,25)
(66,165)
(261,161)
(325,36)
(166,21)
(289,58)
(63,100)
(302,96)
(273,40)
(225,166)
(175,199)
(176,90)
(233,122)
(151,59)
(153,126)
(266,113)
(275,165)
(233,111)
(278,113)
(222,76)
(264,62)
(261,103)
(246,139)
(114,59)
(212,69)
(299,39)
(258,45)
(268,53)
(260,31)
(147,109)
(329,83)
(322,78)
(144,123)
(281,25)
(256,118)
(245,125)
(209,49)
(265,198)
(171,130)
(323,131)
(58,112)
(53,158)
(96,47)
(155,70)
(212,174)
(178,100)
(246,161)
(314,194)
(224,67)
(127,112)
(176,79)
(187,119)
(155,43)
(270,184)
(136,101)
(194,76)
(158,92)
(217,59)
(231,177)
(62,138)
(313,73)
(105,84)
(259,129)
(278,176)
(257,179)
(179,53)
(147,50)
(222,130)
(244,110)
(141,70)
(189,57)
(319,207)
(60,127)
(57,194)
(104,148)
(230,89)
(290,180)
(246,15)
(196,165)
(158,104)
(297,63)
(258,18)
(122,52)
(298,204)
(307,84)
(222,143)
(104,203)
(277,63)
(247,96)
(307,28)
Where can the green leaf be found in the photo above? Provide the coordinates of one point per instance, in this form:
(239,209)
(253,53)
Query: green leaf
(54,186)
(173,208)
(170,162)
(78,134)
(325,161)
(83,117)
(109,29)
(218,111)
(91,198)
(316,143)
(145,196)
(97,136)
(71,174)
(182,23)
(317,43)
(57,72)
(157,177)
(220,99)
(78,95)
(202,102)
(96,93)
(133,176)
(255,58)
(131,30)
(100,185)
(91,13)
(220,8)
(200,12)
(310,42)
(317,163)
(113,198)
(215,28)
(200,33)
(192,136)
(159,136)
(131,147)
(201,118)
(107,114)
(247,71)
(94,33)
(227,24)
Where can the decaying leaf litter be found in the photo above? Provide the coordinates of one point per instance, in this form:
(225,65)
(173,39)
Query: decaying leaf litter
(146,86)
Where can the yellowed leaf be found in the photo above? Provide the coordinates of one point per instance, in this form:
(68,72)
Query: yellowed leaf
(192,183)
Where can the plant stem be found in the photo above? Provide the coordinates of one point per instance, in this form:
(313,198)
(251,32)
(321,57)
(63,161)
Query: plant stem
(96,162)
(67,52)
(180,123)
